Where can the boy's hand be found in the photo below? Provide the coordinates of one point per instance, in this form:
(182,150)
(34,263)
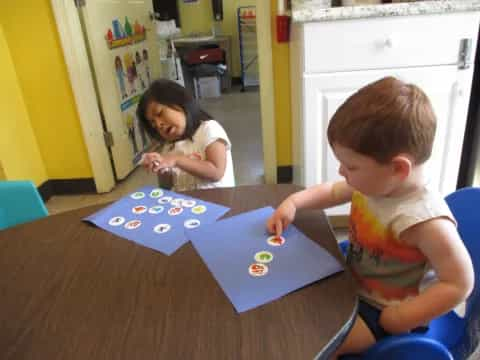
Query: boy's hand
(282,217)
(391,320)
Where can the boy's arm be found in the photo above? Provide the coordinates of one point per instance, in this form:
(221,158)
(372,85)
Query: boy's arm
(322,196)
(438,239)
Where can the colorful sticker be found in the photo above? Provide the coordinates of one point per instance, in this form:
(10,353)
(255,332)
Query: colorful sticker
(162,228)
(177,202)
(139,209)
(199,209)
(164,200)
(175,211)
(137,195)
(263,257)
(156,193)
(188,203)
(258,270)
(156,209)
(191,223)
(276,240)
(116,221)
(133,224)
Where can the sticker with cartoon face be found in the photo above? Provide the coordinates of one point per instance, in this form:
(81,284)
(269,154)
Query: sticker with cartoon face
(191,223)
(164,200)
(175,211)
(116,221)
(263,257)
(162,228)
(257,270)
(188,203)
(137,195)
(156,209)
(156,193)
(276,240)
(133,224)
(139,209)
(199,209)
(177,202)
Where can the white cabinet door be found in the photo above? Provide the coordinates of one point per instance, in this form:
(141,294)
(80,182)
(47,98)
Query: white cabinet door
(324,93)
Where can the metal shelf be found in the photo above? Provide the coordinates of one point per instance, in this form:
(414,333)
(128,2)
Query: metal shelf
(247,34)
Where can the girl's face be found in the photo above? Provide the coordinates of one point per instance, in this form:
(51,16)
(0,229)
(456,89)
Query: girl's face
(170,122)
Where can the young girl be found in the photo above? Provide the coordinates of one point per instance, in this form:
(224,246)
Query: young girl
(196,150)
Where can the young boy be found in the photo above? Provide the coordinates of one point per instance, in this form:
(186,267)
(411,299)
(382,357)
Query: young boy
(405,252)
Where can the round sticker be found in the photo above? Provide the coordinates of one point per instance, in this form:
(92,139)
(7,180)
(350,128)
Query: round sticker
(164,200)
(188,203)
(137,195)
(132,224)
(175,211)
(162,228)
(199,209)
(140,209)
(191,223)
(157,209)
(263,257)
(156,193)
(116,221)
(276,240)
(176,202)
(258,269)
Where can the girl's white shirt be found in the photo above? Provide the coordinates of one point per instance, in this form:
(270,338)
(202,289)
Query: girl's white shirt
(207,133)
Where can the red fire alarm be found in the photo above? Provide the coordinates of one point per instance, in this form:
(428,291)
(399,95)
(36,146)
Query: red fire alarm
(283,28)
(283,23)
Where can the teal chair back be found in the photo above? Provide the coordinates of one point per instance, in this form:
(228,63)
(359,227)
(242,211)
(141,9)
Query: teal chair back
(20,202)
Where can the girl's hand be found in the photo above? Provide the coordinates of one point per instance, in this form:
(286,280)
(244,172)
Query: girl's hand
(154,162)
(165,162)
(282,217)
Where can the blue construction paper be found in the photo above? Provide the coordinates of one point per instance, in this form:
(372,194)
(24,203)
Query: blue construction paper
(167,242)
(228,247)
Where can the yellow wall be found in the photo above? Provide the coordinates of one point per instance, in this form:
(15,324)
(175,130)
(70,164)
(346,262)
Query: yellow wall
(198,18)
(281,75)
(19,152)
(35,49)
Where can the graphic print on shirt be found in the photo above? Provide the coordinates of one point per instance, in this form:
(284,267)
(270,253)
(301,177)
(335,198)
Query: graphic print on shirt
(384,267)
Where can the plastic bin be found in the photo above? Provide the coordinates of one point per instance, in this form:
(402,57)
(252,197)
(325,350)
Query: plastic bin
(207,87)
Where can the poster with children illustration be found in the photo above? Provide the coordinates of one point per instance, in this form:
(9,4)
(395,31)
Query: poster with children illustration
(132,71)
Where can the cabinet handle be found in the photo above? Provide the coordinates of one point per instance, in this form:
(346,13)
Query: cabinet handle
(464,53)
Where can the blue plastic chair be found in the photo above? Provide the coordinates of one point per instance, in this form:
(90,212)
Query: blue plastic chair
(20,202)
(449,336)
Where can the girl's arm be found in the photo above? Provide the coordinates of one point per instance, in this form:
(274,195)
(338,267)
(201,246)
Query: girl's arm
(438,239)
(212,168)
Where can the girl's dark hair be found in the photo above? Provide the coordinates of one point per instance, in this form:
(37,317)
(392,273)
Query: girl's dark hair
(169,93)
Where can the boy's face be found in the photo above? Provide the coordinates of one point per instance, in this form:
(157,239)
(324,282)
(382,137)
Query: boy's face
(364,173)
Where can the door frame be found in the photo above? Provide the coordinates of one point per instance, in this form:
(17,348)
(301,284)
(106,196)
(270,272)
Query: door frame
(81,78)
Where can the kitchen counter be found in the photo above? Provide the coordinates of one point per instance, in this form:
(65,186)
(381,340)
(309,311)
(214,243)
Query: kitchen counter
(309,10)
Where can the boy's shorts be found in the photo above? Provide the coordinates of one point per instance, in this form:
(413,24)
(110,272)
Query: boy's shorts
(371,316)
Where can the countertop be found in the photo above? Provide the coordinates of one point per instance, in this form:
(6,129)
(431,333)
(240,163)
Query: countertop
(310,10)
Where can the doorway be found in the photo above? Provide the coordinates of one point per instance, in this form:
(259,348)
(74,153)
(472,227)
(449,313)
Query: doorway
(244,121)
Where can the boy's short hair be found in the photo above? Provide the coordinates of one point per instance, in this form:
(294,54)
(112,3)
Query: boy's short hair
(384,119)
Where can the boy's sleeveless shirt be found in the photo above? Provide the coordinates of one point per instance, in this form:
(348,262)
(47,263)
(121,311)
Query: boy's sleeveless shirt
(388,270)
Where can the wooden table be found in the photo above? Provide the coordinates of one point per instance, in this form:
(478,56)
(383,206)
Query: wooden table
(69,290)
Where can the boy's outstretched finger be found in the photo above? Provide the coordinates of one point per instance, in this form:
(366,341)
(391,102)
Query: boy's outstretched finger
(278,227)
